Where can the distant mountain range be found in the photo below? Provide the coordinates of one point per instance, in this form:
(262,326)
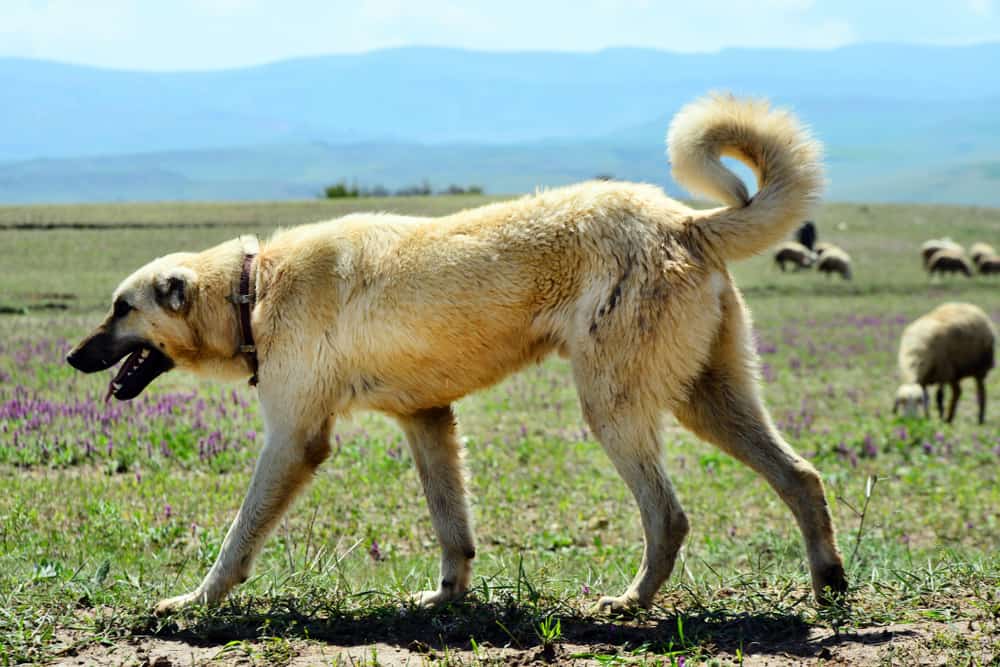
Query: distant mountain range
(900,123)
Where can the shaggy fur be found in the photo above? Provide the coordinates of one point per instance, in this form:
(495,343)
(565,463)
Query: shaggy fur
(834,260)
(794,253)
(949,261)
(407,315)
(953,341)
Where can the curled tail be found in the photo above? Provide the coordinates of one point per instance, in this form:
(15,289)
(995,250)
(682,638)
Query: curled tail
(780,151)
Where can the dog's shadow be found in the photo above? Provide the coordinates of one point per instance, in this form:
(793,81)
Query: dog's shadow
(516,625)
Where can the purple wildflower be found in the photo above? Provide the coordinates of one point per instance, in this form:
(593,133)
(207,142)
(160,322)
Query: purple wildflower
(869,448)
(767,373)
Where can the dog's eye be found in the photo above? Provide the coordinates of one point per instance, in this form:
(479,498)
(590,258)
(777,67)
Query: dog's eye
(122,308)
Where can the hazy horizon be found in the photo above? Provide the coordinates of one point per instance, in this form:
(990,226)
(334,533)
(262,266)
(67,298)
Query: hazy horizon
(226,34)
(556,52)
(136,99)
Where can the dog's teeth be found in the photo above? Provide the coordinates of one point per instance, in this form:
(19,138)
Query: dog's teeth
(144,354)
(116,386)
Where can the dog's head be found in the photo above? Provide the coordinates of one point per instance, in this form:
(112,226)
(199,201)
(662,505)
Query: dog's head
(158,321)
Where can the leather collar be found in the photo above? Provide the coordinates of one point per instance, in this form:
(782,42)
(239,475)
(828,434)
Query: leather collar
(244,300)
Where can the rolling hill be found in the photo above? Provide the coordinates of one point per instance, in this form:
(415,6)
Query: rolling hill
(901,123)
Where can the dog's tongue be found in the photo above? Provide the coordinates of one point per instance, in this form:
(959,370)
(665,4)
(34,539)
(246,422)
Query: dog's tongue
(123,370)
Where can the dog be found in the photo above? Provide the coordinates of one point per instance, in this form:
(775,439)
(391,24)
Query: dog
(406,315)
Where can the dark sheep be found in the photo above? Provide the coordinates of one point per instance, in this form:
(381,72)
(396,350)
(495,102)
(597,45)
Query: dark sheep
(806,234)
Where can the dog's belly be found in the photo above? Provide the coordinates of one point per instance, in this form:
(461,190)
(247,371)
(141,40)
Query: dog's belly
(420,381)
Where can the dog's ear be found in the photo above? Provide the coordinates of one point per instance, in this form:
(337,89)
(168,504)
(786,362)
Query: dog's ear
(174,289)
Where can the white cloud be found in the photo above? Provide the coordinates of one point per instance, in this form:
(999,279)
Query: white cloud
(222,7)
(789,5)
(207,34)
(55,28)
(981,7)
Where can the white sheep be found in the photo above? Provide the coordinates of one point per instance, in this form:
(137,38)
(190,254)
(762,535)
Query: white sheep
(953,341)
(949,261)
(834,260)
(795,254)
(928,249)
(980,251)
(822,246)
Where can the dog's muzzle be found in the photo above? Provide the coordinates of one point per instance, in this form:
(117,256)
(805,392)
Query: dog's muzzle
(144,363)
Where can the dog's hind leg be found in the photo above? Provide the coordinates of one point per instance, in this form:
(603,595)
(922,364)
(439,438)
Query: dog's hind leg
(724,408)
(628,433)
(437,455)
(286,463)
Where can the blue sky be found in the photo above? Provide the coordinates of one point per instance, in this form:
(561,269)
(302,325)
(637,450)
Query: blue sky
(210,34)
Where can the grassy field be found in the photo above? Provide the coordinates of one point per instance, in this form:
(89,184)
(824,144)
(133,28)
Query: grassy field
(107,508)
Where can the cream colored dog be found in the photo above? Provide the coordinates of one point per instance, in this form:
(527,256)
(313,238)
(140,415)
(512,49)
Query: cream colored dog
(407,315)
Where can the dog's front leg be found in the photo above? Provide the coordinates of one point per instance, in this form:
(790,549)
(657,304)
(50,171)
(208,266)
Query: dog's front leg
(437,454)
(289,457)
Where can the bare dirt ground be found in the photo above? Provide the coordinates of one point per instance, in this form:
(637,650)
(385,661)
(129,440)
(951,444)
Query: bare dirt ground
(929,643)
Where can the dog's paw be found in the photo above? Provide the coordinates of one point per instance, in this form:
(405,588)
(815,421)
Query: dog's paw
(622,605)
(435,598)
(175,604)
(831,586)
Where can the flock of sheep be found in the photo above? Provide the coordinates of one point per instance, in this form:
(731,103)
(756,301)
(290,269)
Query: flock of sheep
(940,256)
(805,252)
(946,256)
(952,342)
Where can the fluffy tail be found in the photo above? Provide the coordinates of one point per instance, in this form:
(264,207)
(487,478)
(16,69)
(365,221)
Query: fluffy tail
(781,152)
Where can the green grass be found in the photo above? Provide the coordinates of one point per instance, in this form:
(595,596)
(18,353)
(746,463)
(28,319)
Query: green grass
(100,518)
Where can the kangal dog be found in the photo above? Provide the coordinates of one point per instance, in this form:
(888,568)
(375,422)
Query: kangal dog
(406,315)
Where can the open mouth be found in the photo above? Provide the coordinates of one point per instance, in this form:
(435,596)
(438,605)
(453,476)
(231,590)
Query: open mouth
(139,369)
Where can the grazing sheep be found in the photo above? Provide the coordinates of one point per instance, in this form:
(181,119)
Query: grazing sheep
(834,260)
(928,249)
(989,265)
(980,251)
(821,247)
(795,254)
(953,341)
(949,261)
